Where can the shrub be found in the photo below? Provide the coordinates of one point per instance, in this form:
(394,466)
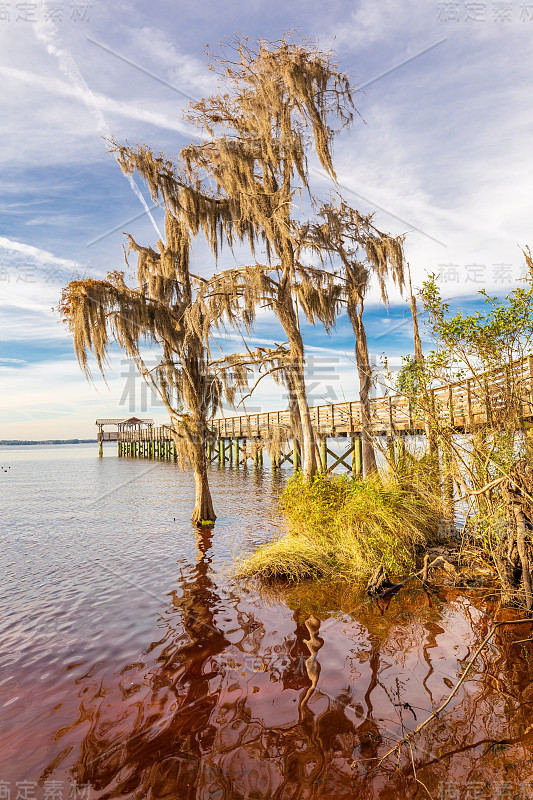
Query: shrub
(341,527)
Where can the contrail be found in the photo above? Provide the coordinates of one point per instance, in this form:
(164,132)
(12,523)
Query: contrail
(46,32)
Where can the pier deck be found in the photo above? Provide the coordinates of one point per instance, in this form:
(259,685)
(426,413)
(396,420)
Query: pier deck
(466,404)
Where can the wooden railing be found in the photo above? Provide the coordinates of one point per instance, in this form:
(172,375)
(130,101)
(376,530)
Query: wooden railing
(466,404)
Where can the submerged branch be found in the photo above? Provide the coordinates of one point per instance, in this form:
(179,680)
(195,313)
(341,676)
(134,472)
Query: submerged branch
(407,739)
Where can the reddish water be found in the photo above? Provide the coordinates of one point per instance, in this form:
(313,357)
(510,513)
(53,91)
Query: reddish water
(132,666)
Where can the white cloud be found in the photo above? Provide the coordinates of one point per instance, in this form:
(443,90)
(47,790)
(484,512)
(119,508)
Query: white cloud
(151,45)
(96,102)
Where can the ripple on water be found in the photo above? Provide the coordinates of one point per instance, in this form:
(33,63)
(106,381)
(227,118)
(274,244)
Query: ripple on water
(130,660)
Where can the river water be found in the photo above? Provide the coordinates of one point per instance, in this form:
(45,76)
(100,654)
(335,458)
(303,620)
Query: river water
(133,666)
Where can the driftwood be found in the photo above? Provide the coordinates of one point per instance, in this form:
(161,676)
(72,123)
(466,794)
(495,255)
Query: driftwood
(379,584)
(408,738)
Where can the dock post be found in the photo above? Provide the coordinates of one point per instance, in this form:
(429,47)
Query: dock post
(295,455)
(234,452)
(324,453)
(357,456)
(100,449)
(261,456)
(221,451)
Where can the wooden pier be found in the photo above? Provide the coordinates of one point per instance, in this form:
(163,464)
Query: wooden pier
(239,439)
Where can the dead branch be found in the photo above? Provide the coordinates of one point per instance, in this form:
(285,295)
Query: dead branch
(408,738)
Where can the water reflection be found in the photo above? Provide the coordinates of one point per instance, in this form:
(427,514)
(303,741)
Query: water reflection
(242,699)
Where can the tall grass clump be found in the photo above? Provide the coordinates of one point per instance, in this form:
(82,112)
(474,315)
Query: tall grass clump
(341,527)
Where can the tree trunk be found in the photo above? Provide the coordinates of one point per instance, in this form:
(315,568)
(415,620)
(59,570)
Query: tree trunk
(521,545)
(419,356)
(294,410)
(308,435)
(203,515)
(365,383)
(296,382)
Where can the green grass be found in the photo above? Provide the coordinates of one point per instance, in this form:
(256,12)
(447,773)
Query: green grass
(340,527)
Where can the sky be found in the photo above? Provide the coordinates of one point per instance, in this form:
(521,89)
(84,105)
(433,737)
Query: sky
(441,151)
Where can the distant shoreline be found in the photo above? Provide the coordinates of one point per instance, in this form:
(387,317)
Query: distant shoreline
(15,442)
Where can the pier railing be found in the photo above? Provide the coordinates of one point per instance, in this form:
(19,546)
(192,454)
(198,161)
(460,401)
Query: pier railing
(464,404)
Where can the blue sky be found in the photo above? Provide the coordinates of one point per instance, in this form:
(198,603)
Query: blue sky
(442,153)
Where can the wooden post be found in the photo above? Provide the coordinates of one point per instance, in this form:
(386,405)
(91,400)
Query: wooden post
(528,430)
(100,449)
(220,451)
(469,403)
(295,455)
(357,456)
(234,456)
(324,453)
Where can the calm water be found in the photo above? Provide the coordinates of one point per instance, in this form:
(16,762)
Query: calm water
(131,664)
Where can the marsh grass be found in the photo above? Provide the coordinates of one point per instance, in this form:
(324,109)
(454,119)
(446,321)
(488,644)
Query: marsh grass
(344,528)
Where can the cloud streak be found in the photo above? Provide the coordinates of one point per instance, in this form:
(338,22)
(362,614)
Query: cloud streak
(46,32)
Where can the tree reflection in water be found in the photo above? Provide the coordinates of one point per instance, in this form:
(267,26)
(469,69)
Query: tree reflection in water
(208,713)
